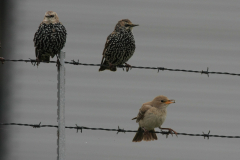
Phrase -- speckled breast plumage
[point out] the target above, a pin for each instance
(120, 48)
(50, 38)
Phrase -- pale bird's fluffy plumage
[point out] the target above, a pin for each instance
(152, 115)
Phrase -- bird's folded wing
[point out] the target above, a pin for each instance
(142, 111)
(111, 39)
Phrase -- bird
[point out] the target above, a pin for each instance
(119, 46)
(50, 38)
(151, 115)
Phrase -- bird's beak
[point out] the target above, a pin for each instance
(134, 25)
(170, 101)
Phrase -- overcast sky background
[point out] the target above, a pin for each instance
(186, 34)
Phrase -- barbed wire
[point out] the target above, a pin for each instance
(73, 62)
(118, 130)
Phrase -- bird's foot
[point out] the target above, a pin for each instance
(145, 130)
(2, 60)
(128, 66)
(170, 131)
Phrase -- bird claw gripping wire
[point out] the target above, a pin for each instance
(120, 130)
(166, 133)
(169, 132)
(2, 60)
(37, 125)
(206, 135)
(205, 72)
(77, 127)
(128, 66)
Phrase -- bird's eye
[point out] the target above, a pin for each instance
(127, 25)
(162, 101)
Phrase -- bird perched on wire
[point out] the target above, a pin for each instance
(151, 115)
(119, 47)
(50, 38)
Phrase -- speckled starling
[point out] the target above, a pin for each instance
(50, 37)
(119, 47)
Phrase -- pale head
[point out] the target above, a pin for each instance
(124, 24)
(50, 17)
(161, 101)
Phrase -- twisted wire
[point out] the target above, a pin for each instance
(73, 62)
(205, 135)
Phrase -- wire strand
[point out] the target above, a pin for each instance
(207, 135)
(73, 62)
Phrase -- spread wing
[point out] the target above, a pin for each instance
(141, 112)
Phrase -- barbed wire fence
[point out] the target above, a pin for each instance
(118, 130)
(61, 102)
(73, 62)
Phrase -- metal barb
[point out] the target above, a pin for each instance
(206, 135)
(120, 130)
(205, 72)
(160, 68)
(74, 62)
(37, 125)
(77, 127)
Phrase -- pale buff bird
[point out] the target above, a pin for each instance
(151, 115)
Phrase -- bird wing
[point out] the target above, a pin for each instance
(106, 45)
(142, 111)
(110, 40)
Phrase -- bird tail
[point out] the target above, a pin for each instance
(106, 66)
(146, 136)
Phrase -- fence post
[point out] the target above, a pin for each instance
(61, 109)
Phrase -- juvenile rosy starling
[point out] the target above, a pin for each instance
(50, 38)
(119, 47)
(151, 115)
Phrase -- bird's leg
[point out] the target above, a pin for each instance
(128, 66)
(37, 62)
(145, 130)
(2, 59)
(58, 64)
(171, 131)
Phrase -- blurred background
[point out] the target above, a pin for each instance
(186, 34)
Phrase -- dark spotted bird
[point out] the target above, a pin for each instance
(119, 47)
(50, 38)
(151, 115)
